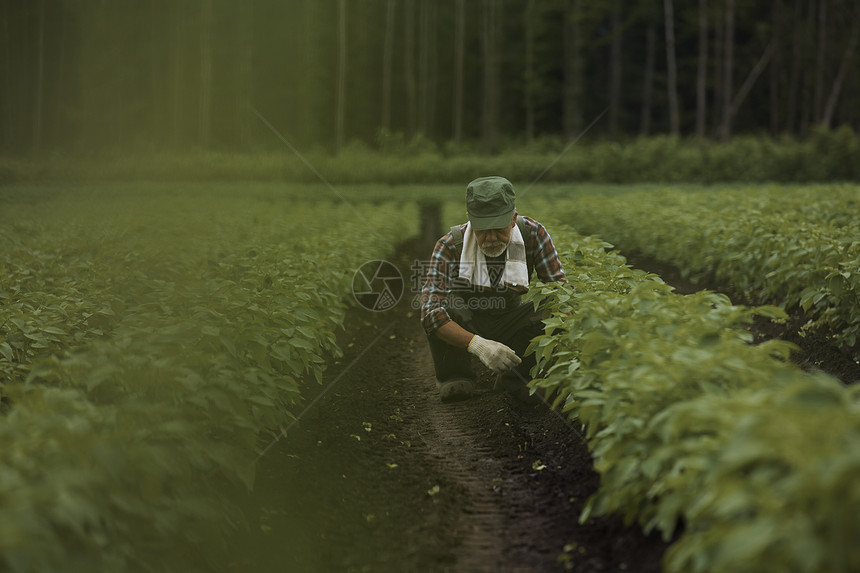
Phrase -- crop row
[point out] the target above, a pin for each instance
(696, 432)
(795, 247)
(147, 344)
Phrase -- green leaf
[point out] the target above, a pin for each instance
(54, 330)
(210, 330)
(836, 284)
(770, 311)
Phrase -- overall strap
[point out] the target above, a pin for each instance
(457, 235)
(521, 223)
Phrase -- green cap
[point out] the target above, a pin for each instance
(490, 202)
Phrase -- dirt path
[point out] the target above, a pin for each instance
(381, 476)
(456, 452)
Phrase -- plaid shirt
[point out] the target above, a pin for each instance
(444, 268)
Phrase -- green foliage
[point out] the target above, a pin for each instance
(790, 246)
(690, 423)
(398, 159)
(149, 340)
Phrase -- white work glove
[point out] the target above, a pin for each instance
(495, 355)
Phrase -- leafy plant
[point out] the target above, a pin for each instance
(149, 341)
(794, 247)
(691, 425)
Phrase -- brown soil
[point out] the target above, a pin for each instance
(379, 475)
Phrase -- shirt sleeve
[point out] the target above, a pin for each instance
(437, 285)
(545, 259)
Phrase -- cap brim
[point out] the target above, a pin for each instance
(495, 222)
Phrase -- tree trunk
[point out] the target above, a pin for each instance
(795, 81)
(204, 110)
(776, 11)
(671, 70)
(529, 95)
(158, 93)
(341, 76)
(433, 75)
(459, 57)
(573, 71)
(728, 70)
(817, 103)
(648, 82)
(702, 72)
(177, 71)
(40, 81)
(490, 112)
(311, 59)
(64, 62)
(615, 70)
(426, 66)
(387, 53)
(409, 62)
(244, 71)
(719, 44)
(6, 96)
(423, 63)
(844, 66)
(754, 74)
(807, 85)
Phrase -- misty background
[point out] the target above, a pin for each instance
(136, 75)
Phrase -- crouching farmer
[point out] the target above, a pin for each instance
(471, 301)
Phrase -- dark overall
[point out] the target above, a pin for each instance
(494, 313)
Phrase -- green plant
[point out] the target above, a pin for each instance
(794, 247)
(151, 338)
(690, 424)
(393, 158)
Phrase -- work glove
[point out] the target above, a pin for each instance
(495, 355)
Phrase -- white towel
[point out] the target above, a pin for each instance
(473, 264)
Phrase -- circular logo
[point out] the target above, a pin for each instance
(377, 285)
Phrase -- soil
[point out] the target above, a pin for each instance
(816, 348)
(379, 475)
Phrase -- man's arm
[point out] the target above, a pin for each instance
(436, 288)
(437, 322)
(495, 355)
(454, 334)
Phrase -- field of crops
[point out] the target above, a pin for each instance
(695, 430)
(154, 338)
(149, 338)
(791, 246)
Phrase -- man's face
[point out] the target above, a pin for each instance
(493, 242)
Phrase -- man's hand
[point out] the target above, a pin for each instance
(495, 355)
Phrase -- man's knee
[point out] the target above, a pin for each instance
(449, 362)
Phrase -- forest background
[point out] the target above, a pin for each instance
(406, 90)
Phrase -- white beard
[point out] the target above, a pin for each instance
(493, 249)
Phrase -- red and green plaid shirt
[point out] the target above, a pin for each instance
(444, 268)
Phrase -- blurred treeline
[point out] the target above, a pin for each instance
(476, 75)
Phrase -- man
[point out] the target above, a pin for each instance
(471, 301)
